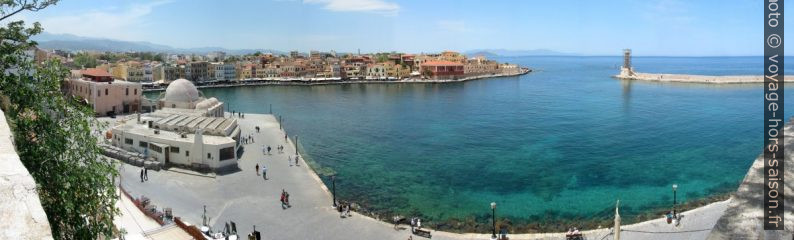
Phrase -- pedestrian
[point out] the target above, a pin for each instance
(286, 199)
(264, 171)
(296, 160)
(257, 169)
(268, 150)
(285, 137)
(263, 149)
(141, 174)
(283, 197)
(289, 160)
(145, 174)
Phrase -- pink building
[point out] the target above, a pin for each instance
(105, 96)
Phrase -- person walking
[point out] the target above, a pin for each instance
(257, 169)
(145, 174)
(289, 160)
(141, 174)
(282, 199)
(286, 198)
(264, 171)
(268, 150)
(296, 160)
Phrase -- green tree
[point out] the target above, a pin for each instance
(84, 60)
(53, 135)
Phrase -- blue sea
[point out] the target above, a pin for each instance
(564, 142)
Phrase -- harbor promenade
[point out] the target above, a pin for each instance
(247, 199)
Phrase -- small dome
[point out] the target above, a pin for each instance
(181, 90)
(207, 103)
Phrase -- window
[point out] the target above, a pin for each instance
(174, 149)
(128, 141)
(98, 93)
(227, 153)
(209, 155)
(127, 91)
(187, 153)
(143, 144)
(106, 91)
(156, 148)
(135, 91)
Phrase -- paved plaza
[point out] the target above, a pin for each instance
(247, 199)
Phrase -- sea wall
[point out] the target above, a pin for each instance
(745, 212)
(20, 208)
(687, 78)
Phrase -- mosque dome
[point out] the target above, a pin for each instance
(207, 103)
(182, 90)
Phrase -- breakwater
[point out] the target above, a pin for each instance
(688, 78)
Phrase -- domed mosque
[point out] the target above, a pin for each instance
(183, 97)
(188, 130)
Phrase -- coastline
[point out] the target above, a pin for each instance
(309, 82)
(690, 78)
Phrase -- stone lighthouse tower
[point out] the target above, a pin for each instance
(626, 70)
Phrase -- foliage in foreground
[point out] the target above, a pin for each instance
(53, 136)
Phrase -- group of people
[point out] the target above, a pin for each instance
(266, 149)
(344, 209)
(289, 160)
(239, 114)
(416, 223)
(264, 171)
(285, 199)
(249, 139)
(280, 149)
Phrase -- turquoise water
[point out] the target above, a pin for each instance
(564, 142)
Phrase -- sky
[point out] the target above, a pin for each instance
(648, 27)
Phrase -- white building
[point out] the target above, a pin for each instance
(225, 72)
(188, 131)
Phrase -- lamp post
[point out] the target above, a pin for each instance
(333, 188)
(675, 187)
(493, 219)
(296, 145)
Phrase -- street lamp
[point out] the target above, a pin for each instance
(675, 187)
(333, 188)
(493, 219)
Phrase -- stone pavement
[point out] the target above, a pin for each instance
(249, 200)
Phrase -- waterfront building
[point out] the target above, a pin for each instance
(442, 69)
(173, 72)
(197, 71)
(187, 131)
(225, 72)
(182, 141)
(104, 94)
(377, 71)
(480, 66)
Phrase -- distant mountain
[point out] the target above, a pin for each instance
(515, 53)
(76, 43)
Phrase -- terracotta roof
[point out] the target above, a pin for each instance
(96, 72)
(441, 63)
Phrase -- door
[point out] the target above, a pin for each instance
(167, 155)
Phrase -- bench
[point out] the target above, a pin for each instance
(422, 232)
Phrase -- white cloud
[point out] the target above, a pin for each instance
(119, 24)
(452, 26)
(374, 6)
